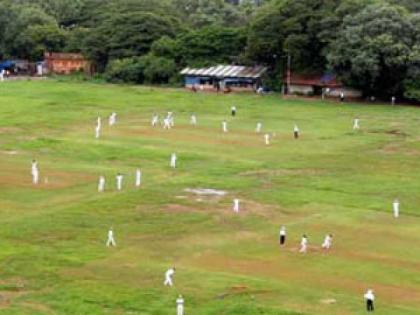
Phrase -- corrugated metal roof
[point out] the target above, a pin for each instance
(223, 71)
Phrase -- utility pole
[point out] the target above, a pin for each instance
(289, 65)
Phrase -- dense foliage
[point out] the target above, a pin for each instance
(373, 45)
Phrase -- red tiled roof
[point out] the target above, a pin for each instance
(64, 56)
(315, 80)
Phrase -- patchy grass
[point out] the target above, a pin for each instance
(53, 258)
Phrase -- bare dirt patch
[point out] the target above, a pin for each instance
(206, 192)
(283, 172)
(16, 176)
(287, 272)
(178, 208)
(10, 290)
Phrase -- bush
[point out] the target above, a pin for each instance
(145, 69)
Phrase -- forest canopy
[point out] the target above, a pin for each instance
(372, 45)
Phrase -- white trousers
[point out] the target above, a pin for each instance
(35, 177)
(168, 282)
(111, 242)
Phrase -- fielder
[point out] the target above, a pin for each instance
(168, 277)
(112, 119)
(282, 235)
(138, 178)
(119, 179)
(110, 241)
(267, 139)
(193, 120)
(233, 110)
(155, 120)
(236, 205)
(296, 132)
(303, 244)
(101, 184)
(327, 242)
(166, 123)
(98, 128)
(35, 172)
(173, 160)
(356, 125)
(259, 127)
(180, 306)
(396, 208)
(224, 126)
(370, 298)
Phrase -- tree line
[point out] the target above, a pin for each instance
(372, 45)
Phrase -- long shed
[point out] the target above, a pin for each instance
(224, 78)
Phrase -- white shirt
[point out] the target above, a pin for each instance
(282, 232)
(180, 301)
(110, 234)
(304, 241)
(169, 273)
(34, 167)
(193, 119)
(369, 296)
(327, 240)
(296, 129)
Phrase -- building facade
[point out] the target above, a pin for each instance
(66, 63)
(224, 78)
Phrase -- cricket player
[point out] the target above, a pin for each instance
(155, 120)
(327, 242)
(166, 123)
(35, 172)
(303, 244)
(224, 126)
(356, 125)
(98, 128)
(112, 119)
(110, 241)
(236, 205)
(296, 132)
(119, 179)
(282, 235)
(138, 178)
(180, 306)
(173, 160)
(259, 127)
(233, 110)
(396, 208)
(342, 96)
(193, 120)
(171, 120)
(393, 100)
(168, 277)
(101, 184)
(267, 139)
(370, 298)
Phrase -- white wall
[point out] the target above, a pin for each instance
(301, 89)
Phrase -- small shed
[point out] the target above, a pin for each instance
(224, 78)
(66, 63)
(319, 84)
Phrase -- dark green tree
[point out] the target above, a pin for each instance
(373, 48)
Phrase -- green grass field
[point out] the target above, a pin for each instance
(53, 258)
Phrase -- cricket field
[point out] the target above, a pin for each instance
(53, 258)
